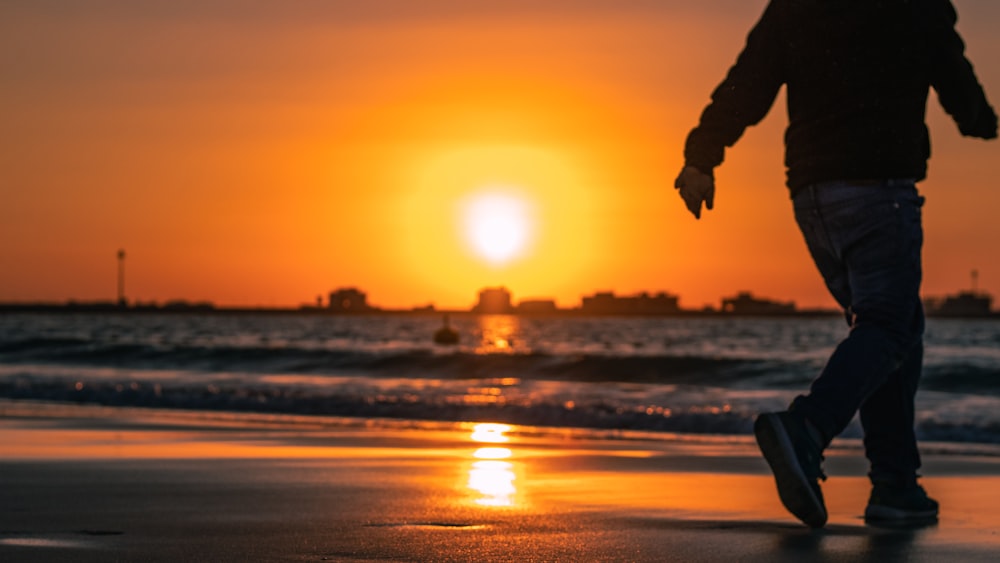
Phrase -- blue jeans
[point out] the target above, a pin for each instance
(865, 238)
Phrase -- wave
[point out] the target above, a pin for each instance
(405, 406)
(961, 377)
(404, 363)
(703, 386)
(553, 410)
(956, 374)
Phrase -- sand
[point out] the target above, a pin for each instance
(84, 483)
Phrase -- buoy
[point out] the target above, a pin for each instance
(446, 334)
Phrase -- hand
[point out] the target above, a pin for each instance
(695, 187)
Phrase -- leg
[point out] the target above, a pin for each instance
(887, 419)
(874, 232)
(891, 447)
(866, 242)
(789, 442)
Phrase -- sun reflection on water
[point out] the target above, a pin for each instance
(499, 334)
(492, 453)
(490, 476)
(490, 433)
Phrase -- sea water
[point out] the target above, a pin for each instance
(689, 375)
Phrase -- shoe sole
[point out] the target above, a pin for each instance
(794, 487)
(882, 513)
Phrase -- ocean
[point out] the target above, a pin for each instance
(693, 376)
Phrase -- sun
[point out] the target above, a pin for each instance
(497, 224)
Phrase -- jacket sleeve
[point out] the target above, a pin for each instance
(742, 99)
(953, 78)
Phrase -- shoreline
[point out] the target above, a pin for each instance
(55, 409)
(99, 483)
(126, 416)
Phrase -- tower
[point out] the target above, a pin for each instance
(121, 278)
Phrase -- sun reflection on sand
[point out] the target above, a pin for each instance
(494, 480)
(489, 476)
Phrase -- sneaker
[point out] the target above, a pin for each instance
(889, 503)
(795, 458)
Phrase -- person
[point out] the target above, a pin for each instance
(857, 75)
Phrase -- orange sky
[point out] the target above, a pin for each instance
(266, 155)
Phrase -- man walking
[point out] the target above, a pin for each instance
(857, 73)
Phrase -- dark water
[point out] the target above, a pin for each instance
(695, 375)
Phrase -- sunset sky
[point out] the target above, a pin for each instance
(254, 153)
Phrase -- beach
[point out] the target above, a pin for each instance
(90, 483)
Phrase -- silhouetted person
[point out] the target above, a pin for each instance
(857, 74)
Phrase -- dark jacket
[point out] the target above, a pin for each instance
(857, 74)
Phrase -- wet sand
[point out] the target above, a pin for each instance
(102, 484)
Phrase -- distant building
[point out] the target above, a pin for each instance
(607, 303)
(183, 305)
(348, 300)
(962, 304)
(537, 306)
(746, 304)
(971, 303)
(494, 301)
